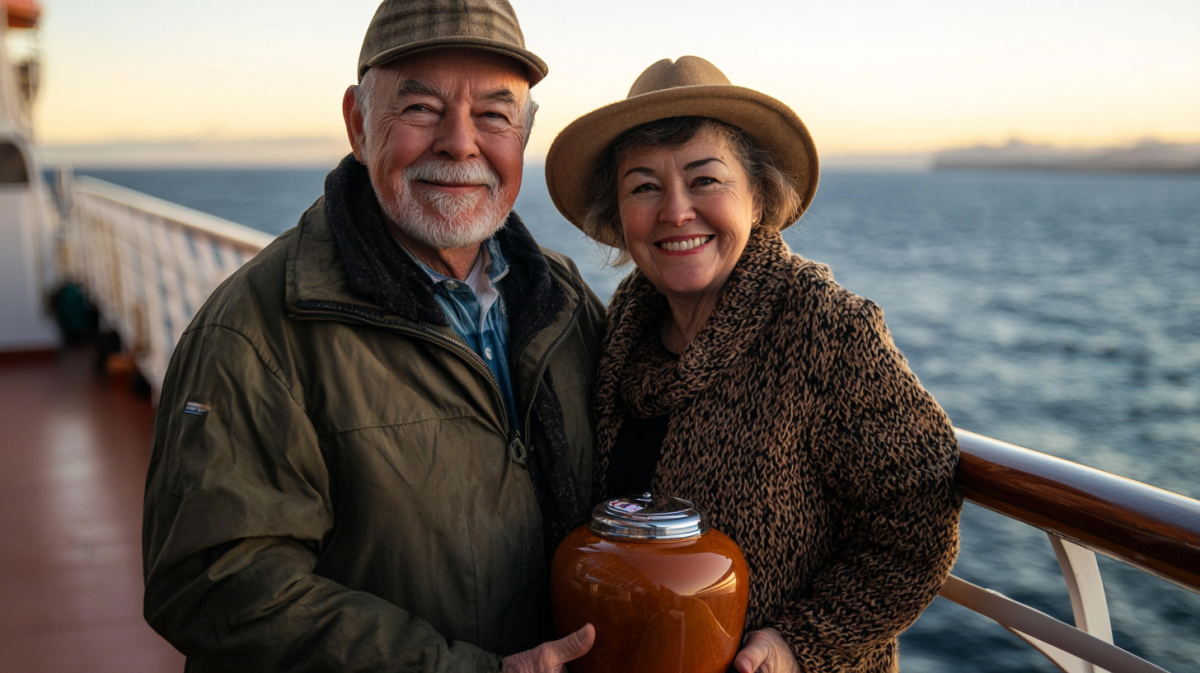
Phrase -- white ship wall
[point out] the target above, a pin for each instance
(24, 325)
(26, 259)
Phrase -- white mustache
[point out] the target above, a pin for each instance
(453, 173)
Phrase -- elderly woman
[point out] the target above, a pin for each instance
(742, 377)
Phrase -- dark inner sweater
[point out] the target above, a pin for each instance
(635, 455)
(636, 451)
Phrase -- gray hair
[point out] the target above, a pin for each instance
(773, 190)
(364, 97)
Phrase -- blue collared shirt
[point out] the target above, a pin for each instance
(475, 309)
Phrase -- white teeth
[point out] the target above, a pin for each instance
(680, 246)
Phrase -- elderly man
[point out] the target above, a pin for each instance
(373, 435)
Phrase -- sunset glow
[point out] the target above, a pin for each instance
(867, 77)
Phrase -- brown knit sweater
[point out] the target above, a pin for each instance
(798, 427)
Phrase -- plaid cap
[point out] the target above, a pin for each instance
(403, 27)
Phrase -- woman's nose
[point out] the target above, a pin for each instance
(676, 208)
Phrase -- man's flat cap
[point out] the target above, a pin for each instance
(403, 27)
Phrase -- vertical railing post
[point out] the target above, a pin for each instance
(1086, 587)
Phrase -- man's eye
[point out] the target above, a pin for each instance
(495, 120)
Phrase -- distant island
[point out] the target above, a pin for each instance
(1148, 155)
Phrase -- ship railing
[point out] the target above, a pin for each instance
(147, 264)
(1083, 511)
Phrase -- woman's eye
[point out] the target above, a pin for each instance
(704, 181)
(643, 188)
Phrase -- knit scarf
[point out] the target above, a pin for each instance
(649, 381)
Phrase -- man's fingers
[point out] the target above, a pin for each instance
(574, 645)
(753, 654)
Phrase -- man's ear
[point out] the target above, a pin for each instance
(355, 123)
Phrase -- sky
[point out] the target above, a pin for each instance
(261, 81)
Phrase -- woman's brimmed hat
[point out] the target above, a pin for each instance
(689, 87)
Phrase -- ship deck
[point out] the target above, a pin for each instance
(73, 456)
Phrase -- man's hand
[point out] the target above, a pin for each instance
(552, 657)
(766, 652)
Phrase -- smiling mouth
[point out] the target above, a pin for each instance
(451, 185)
(684, 245)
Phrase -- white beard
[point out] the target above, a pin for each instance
(458, 223)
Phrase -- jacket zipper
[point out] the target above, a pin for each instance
(545, 363)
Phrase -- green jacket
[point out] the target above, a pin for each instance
(347, 498)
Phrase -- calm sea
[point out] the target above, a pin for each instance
(1056, 311)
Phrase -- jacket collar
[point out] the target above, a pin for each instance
(344, 258)
(344, 265)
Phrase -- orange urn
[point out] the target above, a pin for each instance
(666, 592)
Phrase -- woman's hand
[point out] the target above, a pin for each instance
(766, 652)
(551, 657)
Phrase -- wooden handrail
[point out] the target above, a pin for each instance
(1151, 529)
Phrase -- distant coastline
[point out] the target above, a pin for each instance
(1145, 156)
(322, 152)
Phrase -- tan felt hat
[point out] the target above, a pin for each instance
(689, 87)
(403, 27)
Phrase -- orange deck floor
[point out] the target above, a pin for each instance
(73, 457)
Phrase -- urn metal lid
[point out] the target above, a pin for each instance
(648, 517)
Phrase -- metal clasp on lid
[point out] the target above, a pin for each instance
(648, 517)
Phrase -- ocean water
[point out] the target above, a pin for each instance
(1055, 311)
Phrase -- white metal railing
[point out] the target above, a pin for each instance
(1083, 511)
(1072, 649)
(148, 264)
